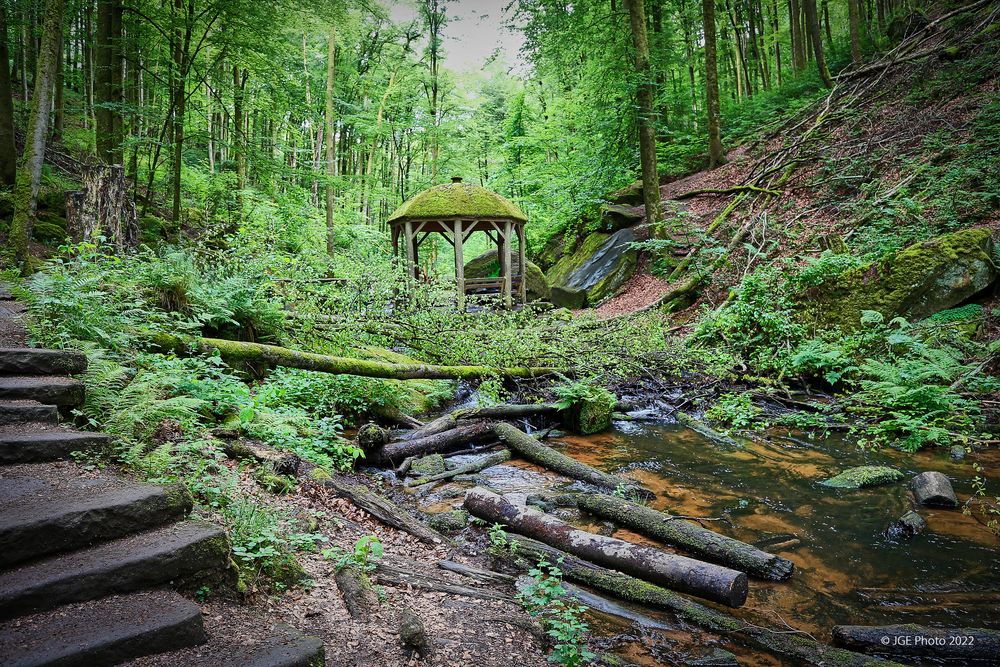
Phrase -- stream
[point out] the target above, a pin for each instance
(768, 492)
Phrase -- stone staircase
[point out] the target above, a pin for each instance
(89, 561)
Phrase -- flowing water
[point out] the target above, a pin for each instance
(768, 492)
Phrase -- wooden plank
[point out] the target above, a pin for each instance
(522, 287)
(459, 264)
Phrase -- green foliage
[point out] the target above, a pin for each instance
(737, 411)
(367, 553)
(544, 599)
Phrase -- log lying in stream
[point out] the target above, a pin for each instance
(450, 420)
(799, 647)
(676, 531)
(439, 442)
(712, 582)
(273, 355)
(970, 646)
(531, 449)
(705, 431)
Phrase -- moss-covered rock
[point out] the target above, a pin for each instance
(425, 466)
(916, 282)
(864, 476)
(630, 195)
(589, 416)
(449, 522)
(553, 249)
(457, 200)
(487, 266)
(617, 216)
(49, 228)
(598, 268)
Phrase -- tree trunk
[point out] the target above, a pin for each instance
(475, 466)
(798, 50)
(779, 642)
(8, 152)
(29, 172)
(712, 582)
(104, 207)
(330, 137)
(961, 645)
(854, 23)
(383, 510)
(812, 21)
(679, 532)
(57, 103)
(533, 450)
(357, 591)
(236, 351)
(647, 117)
(107, 86)
(716, 155)
(239, 126)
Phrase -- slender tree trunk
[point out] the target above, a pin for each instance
(57, 104)
(330, 137)
(812, 19)
(647, 119)
(826, 21)
(239, 126)
(689, 50)
(29, 173)
(798, 52)
(716, 155)
(776, 36)
(8, 152)
(854, 22)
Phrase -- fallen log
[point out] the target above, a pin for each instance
(705, 431)
(357, 591)
(383, 510)
(439, 442)
(677, 531)
(443, 423)
(450, 420)
(799, 647)
(536, 452)
(479, 574)
(273, 355)
(968, 645)
(473, 466)
(712, 582)
(392, 575)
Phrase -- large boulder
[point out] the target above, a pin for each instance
(615, 217)
(596, 270)
(487, 266)
(916, 282)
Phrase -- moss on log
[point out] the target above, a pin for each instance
(475, 466)
(712, 582)
(272, 355)
(700, 541)
(705, 431)
(531, 449)
(798, 647)
(357, 591)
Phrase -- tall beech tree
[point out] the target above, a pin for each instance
(8, 152)
(816, 37)
(646, 114)
(328, 134)
(716, 155)
(29, 170)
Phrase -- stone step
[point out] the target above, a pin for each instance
(48, 508)
(27, 412)
(187, 553)
(243, 644)
(32, 361)
(108, 631)
(47, 389)
(27, 443)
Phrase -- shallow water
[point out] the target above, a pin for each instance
(847, 571)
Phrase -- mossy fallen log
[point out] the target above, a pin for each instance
(451, 419)
(799, 647)
(707, 432)
(712, 582)
(533, 450)
(439, 442)
(272, 355)
(383, 510)
(357, 591)
(474, 466)
(968, 646)
(700, 541)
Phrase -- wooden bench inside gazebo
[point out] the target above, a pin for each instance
(457, 210)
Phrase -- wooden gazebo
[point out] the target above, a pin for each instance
(456, 210)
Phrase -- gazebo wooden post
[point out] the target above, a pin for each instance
(522, 289)
(505, 265)
(459, 263)
(411, 248)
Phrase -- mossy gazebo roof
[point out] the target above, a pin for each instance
(457, 200)
(455, 211)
